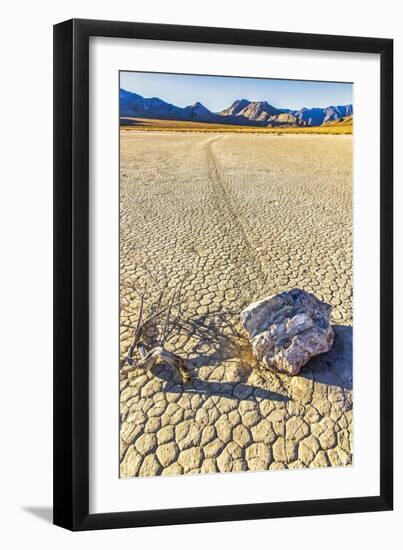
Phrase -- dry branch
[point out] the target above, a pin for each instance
(166, 301)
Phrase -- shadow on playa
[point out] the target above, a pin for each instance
(333, 368)
(230, 390)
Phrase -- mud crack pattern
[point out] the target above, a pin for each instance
(243, 216)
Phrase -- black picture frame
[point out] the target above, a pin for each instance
(71, 274)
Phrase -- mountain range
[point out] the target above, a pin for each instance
(241, 112)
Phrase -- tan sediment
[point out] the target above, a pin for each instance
(247, 215)
(133, 124)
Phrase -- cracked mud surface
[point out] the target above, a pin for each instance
(245, 215)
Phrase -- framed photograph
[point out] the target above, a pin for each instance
(223, 321)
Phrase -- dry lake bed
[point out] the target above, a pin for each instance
(235, 217)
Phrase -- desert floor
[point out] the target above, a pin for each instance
(240, 217)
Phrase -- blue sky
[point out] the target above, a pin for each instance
(218, 92)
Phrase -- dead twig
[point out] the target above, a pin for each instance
(164, 303)
(159, 354)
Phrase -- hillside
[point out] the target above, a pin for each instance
(347, 121)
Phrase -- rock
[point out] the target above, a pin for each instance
(288, 329)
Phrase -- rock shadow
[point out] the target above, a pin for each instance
(231, 390)
(334, 368)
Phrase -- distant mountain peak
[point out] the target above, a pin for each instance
(259, 110)
(235, 107)
(197, 111)
(198, 106)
